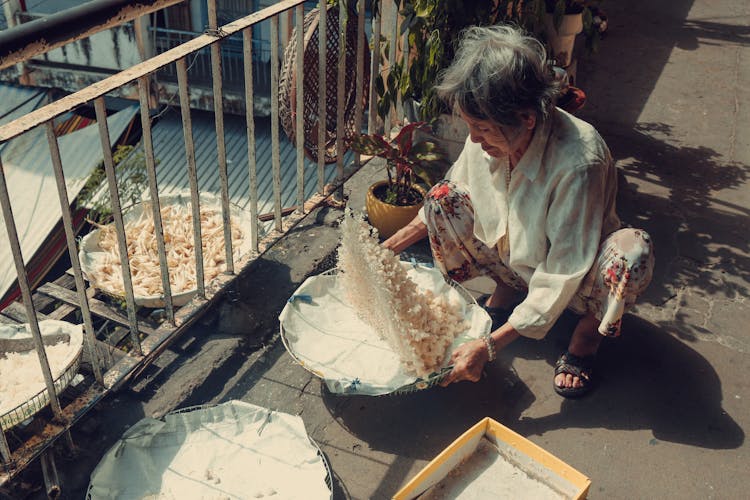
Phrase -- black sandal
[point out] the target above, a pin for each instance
(498, 315)
(581, 367)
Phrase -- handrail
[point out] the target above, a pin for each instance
(99, 89)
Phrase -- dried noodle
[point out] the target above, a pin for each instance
(417, 325)
(177, 222)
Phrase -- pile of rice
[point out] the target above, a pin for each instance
(21, 375)
(177, 222)
(417, 325)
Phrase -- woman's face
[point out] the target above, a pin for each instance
(496, 141)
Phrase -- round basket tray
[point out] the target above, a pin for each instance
(90, 253)
(324, 335)
(215, 451)
(37, 400)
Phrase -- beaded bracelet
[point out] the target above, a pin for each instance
(490, 347)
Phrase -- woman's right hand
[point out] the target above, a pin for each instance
(468, 361)
(406, 236)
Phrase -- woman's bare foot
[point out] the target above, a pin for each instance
(584, 343)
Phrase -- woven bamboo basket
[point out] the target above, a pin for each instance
(288, 85)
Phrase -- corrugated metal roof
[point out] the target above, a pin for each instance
(169, 150)
(32, 188)
(16, 101)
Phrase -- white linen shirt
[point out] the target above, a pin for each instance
(559, 206)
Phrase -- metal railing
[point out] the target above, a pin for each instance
(109, 372)
(232, 62)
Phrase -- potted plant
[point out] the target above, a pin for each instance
(432, 29)
(394, 202)
(563, 20)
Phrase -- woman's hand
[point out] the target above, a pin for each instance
(406, 236)
(468, 361)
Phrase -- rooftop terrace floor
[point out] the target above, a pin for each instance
(668, 90)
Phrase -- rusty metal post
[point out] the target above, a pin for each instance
(148, 149)
(372, 114)
(5, 449)
(393, 28)
(340, 100)
(70, 236)
(109, 168)
(275, 143)
(31, 39)
(187, 132)
(247, 52)
(23, 283)
(49, 473)
(146, 51)
(359, 104)
(322, 90)
(220, 140)
(299, 134)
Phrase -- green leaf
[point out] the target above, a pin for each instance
(373, 145)
(384, 105)
(379, 85)
(427, 151)
(392, 83)
(425, 9)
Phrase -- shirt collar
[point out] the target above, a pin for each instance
(531, 161)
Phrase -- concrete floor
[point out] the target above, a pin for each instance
(670, 92)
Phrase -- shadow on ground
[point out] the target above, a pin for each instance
(648, 379)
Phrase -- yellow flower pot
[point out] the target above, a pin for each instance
(387, 218)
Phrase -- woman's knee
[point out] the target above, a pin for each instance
(446, 193)
(630, 251)
(448, 204)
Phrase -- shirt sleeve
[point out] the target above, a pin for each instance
(573, 229)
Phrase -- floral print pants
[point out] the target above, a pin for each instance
(621, 271)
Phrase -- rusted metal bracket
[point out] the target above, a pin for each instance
(30, 39)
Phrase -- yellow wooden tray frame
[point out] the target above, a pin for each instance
(499, 433)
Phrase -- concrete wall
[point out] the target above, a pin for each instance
(114, 49)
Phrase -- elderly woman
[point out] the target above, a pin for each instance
(530, 203)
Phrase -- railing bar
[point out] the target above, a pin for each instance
(70, 236)
(374, 70)
(404, 49)
(4, 449)
(340, 97)
(187, 132)
(23, 283)
(322, 91)
(358, 111)
(247, 41)
(275, 143)
(299, 86)
(212, 17)
(287, 33)
(109, 168)
(148, 148)
(221, 150)
(391, 64)
(114, 82)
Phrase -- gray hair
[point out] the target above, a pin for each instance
(499, 72)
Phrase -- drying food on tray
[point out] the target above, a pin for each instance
(234, 450)
(21, 377)
(104, 270)
(418, 325)
(376, 325)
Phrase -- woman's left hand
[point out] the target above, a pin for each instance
(468, 361)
